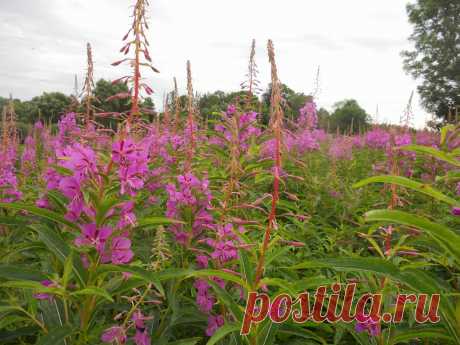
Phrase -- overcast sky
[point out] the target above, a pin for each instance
(357, 43)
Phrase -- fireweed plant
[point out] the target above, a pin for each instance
(157, 232)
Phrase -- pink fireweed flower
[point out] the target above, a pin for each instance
(115, 334)
(377, 138)
(28, 156)
(45, 296)
(231, 109)
(132, 159)
(139, 319)
(93, 236)
(214, 323)
(456, 211)
(308, 117)
(202, 261)
(68, 129)
(80, 159)
(124, 151)
(204, 299)
(9, 191)
(42, 202)
(121, 252)
(127, 216)
(191, 196)
(305, 141)
(427, 138)
(225, 245)
(142, 337)
(341, 148)
(358, 141)
(367, 324)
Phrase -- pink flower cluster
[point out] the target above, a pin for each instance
(247, 129)
(341, 148)
(132, 159)
(9, 191)
(308, 117)
(377, 138)
(118, 334)
(189, 201)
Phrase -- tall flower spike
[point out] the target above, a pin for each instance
(166, 113)
(176, 106)
(406, 119)
(9, 130)
(316, 84)
(190, 120)
(88, 86)
(136, 37)
(251, 85)
(276, 123)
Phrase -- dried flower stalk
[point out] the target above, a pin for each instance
(88, 86)
(190, 119)
(276, 123)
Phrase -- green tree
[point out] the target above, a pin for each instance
(292, 102)
(49, 107)
(104, 90)
(349, 117)
(436, 57)
(323, 119)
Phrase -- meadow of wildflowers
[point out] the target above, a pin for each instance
(156, 232)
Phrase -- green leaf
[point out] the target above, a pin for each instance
(54, 241)
(138, 272)
(16, 272)
(7, 336)
(408, 183)
(419, 333)
(220, 274)
(223, 332)
(149, 221)
(188, 341)
(431, 151)
(247, 269)
(446, 237)
(96, 291)
(227, 299)
(56, 336)
(368, 264)
(32, 285)
(40, 212)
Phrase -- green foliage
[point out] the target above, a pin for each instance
(435, 59)
(349, 117)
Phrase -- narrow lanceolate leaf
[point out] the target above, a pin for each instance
(56, 336)
(56, 244)
(32, 285)
(411, 184)
(431, 151)
(222, 332)
(188, 341)
(368, 264)
(227, 300)
(40, 212)
(18, 272)
(93, 291)
(447, 238)
(403, 336)
(149, 221)
(220, 274)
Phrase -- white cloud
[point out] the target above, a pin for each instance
(356, 43)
